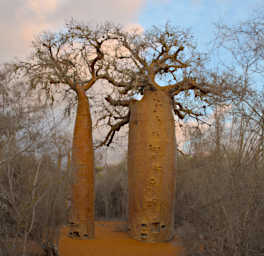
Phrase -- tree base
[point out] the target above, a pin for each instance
(111, 239)
(151, 232)
(80, 231)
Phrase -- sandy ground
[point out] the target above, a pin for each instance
(111, 239)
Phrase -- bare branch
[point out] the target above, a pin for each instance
(188, 84)
(114, 128)
(123, 103)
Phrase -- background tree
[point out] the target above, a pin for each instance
(32, 201)
(163, 66)
(243, 44)
(65, 64)
(213, 194)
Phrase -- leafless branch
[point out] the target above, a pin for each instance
(114, 128)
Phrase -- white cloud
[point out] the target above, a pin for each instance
(134, 28)
(21, 20)
(40, 6)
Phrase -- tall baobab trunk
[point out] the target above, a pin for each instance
(151, 168)
(83, 167)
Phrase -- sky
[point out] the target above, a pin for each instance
(22, 20)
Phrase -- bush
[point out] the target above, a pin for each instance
(33, 205)
(111, 192)
(223, 202)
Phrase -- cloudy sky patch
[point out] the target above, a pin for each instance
(21, 20)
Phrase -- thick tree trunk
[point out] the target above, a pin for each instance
(151, 168)
(83, 167)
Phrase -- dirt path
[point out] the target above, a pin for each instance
(111, 239)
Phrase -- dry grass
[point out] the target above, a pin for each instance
(223, 203)
(219, 202)
(33, 206)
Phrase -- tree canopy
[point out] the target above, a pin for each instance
(161, 58)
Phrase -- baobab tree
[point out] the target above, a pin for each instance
(163, 67)
(63, 65)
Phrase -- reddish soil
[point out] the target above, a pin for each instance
(111, 239)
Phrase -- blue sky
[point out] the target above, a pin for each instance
(199, 15)
(22, 20)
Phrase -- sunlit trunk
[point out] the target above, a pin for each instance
(151, 168)
(83, 168)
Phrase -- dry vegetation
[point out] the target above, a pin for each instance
(220, 180)
(219, 200)
(33, 185)
(220, 188)
(111, 192)
(219, 197)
